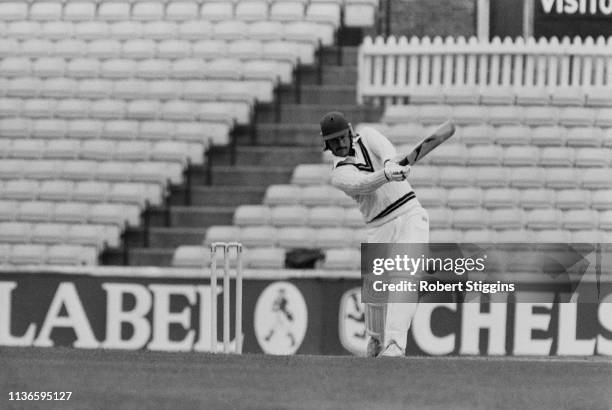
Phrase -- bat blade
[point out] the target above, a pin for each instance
(429, 143)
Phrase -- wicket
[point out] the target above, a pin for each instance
(226, 246)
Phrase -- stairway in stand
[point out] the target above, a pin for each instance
(284, 134)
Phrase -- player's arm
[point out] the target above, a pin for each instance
(379, 144)
(348, 178)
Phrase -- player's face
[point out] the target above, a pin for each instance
(340, 146)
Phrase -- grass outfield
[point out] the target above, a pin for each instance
(118, 379)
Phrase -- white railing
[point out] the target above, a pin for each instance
(394, 67)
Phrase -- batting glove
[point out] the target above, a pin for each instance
(395, 172)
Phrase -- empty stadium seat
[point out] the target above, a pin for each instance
(263, 236)
(440, 218)
(70, 211)
(326, 216)
(333, 238)
(71, 255)
(476, 134)
(432, 197)
(521, 155)
(506, 218)
(15, 232)
(266, 258)
(55, 190)
(500, 197)
(592, 157)
(562, 178)
(527, 177)
(58, 88)
(191, 256)
(171, 49)
(580, 219)
(479, 236)
(544, 218)
(596, 178)
(576, 117)
(588, 236)
(568, 96)
(222, 233)
(445, 236)
(470, 218)
(515, 236)
(311, 174)
(34, 211)
(296, 237)
(78, 170)
(557, 156)
(325, 195)
(507, 115)
(8, 210)
(468, 197)
(541, 116)
(195, 29)
(532, 96)
(252, 215)
(552, 236)
(282, 195)
(28, 254)
(289, 215)
(337, 259)
(605, 220)
(573, 199)
(450, 154)
(497, 95)
(181, 11)
(485, 155)
(603, 117)
(455, 176)
(49, 233)
(138, 49)
(469, 115)
(602, 199)
(230, 30)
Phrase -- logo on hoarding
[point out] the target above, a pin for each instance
(351, 323)
(280, 319)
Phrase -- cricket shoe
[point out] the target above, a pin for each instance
(392, 350)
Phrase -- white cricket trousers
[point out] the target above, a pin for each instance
(411, 227)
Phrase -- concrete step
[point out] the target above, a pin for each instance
(287, 135)
(319, 94)
(258, 155)
(161, 237)
(344, 55)
(251, 175)
(332, 75)
(312, 113)
(151, 256)
(211, 195)
(201, 216)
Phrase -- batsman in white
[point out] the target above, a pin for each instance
(365, 167)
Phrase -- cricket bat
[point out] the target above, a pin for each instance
(429, 143)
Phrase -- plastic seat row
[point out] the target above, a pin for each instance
(525, 155)
(141, 49)
(498, 115)
(480, 176)
(86, 191)
(287, 237)
(114, 69)
(515, 218)
(76, 170)
(176, 11)
(299, 31)
(520, 236)
(132, 89)
(559, 96)
(325, 195)
(462, 218)
(76, 234)
(102, 150)
(65, 211)
(202, 131)
(507, 135)
(298, 215)
(37, 254)
(114, 109)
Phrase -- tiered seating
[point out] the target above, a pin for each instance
(526, 165)
(103, 103)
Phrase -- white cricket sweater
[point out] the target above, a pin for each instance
(362, 177)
